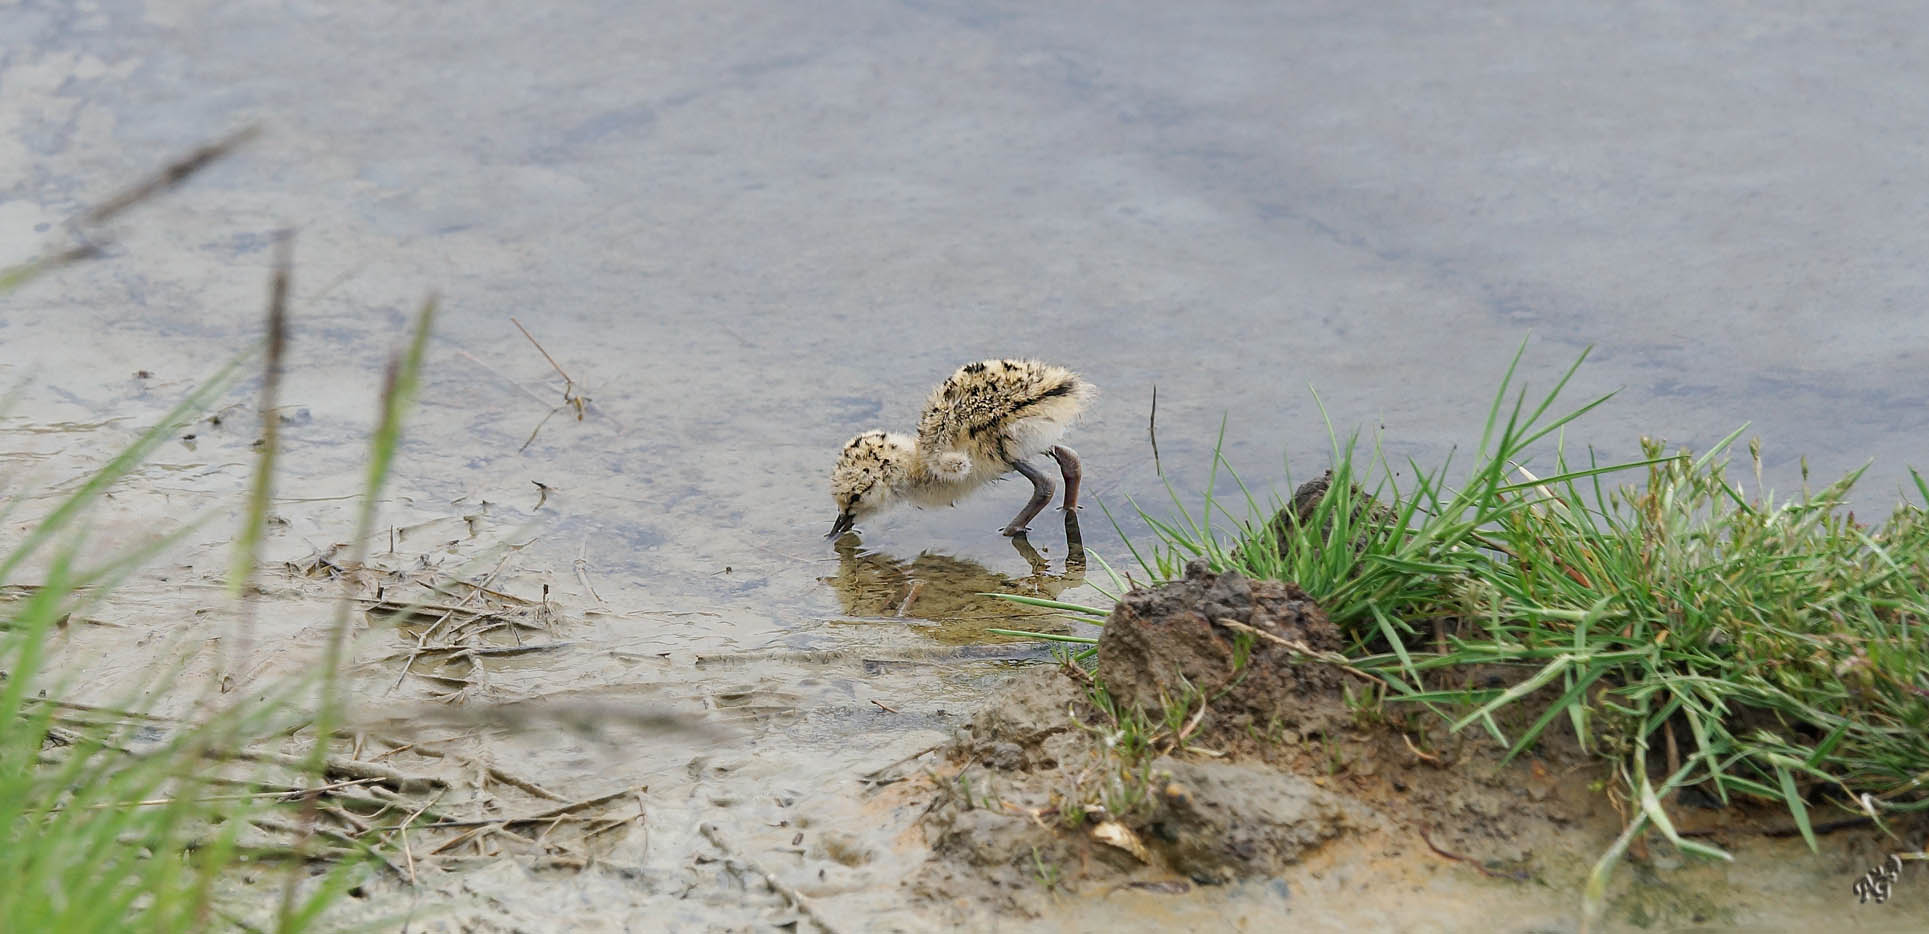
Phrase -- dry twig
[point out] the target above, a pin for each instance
(1299, 648)
(791, 895)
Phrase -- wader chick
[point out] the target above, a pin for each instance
(987, 420)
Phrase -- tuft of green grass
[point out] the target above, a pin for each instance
(1689, 631)
(113, 820)
(105, 828)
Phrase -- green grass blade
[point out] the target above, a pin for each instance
(1042, 603)
(1045, 636)
(1540, 679)
(1797, 808)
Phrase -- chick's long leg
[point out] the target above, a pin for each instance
(1042, 489)
(1074, 548)
(1068, 465)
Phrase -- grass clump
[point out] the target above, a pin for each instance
(1691, 632)
(112, 819)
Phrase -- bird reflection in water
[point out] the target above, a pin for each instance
(945, 595)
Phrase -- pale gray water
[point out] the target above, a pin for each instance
(751, 229)
(756, 229)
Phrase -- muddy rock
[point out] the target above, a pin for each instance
(1157, 641)
(1222, 821)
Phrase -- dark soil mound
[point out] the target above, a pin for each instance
(1185, 638)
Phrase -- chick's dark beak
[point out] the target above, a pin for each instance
(843, 524)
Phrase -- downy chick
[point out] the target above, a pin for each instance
(989, 419)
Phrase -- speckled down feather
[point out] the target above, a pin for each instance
(975, 427)
(999, 412)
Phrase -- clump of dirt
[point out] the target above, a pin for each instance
(1217, 822)
(997, 830)
(1073, 780)
(1041, 800)
(1033, 728)
(1236, 644)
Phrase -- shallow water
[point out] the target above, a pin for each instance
(750, 230)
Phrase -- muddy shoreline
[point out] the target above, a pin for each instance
(903, 782)
(1280, 794)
